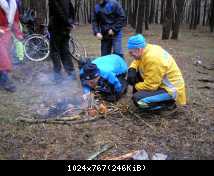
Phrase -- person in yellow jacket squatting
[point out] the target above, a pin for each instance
(158, 82)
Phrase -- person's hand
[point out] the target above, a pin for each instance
(110, 32)
(1, 32)
(99, 36)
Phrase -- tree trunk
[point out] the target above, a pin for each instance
(212, 16)
(135, 12)
(152, 12)
(205, 13)
(167, 24)
(177, 21)
(140, 17)
(147, 3)
(193, 7)
(162, 11)
(156, 13)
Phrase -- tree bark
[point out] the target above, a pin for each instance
(212, 16)
(167, 24)
(146, 6)
(177, 21)
(152, 12)
(156, 13)
(140, 16)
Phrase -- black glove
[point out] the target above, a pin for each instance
(124, 84)
(132, 76)
(123, 90)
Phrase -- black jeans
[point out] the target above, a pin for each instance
(59, 51)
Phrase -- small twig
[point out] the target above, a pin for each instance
(206, 80)
(204, 73)
(137, 116)
(102, 149)
(206, 87)
(206, 67)
(122, 115)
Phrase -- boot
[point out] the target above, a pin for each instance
(58, 78)
(72, 76)
(5, 82)
(8, 86)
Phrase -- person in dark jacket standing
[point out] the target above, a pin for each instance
(61, 14)
(108, 20)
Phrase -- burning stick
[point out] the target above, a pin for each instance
(72, 110)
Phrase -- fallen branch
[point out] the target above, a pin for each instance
(57, 121)
(41, 121)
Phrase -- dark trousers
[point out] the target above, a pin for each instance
(59, 52)
(112, 43)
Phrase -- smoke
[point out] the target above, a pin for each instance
(52, 94)
(39, 92)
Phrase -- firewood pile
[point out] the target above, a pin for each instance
(65, 113)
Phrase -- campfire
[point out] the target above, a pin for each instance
(72, 111)
(69, 107)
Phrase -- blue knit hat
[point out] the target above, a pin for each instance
(137, 41)
(90, 71)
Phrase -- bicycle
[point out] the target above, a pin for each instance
(37, 47)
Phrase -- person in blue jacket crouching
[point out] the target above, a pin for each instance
(105, 75)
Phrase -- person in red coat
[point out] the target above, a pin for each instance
(9, 25)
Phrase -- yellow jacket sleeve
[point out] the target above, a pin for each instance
(135, 64)
(153, 75)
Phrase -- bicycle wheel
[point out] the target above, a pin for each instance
(36, 47)
(77, 50)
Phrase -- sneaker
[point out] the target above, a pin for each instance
(159, 109)
(170, 107)
(72, 76)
